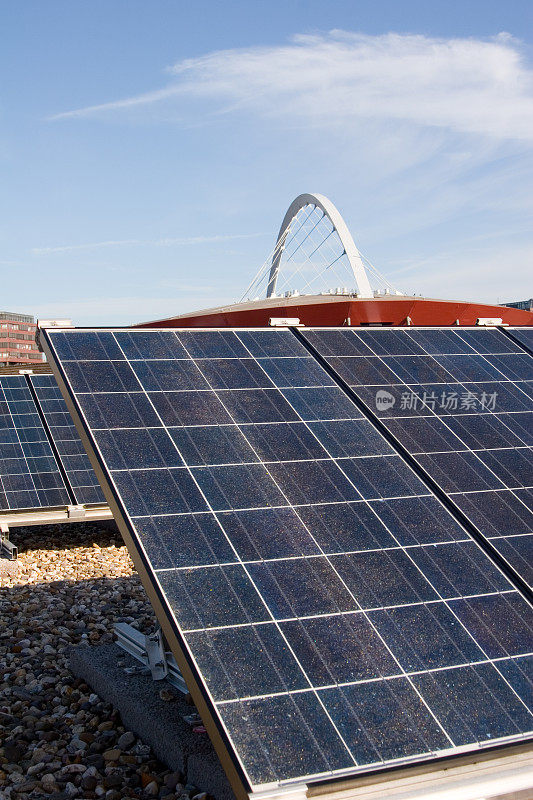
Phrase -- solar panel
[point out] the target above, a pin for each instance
(66, 439)
(523, 335)
(459, 400)
(330, 615)
(29, 473)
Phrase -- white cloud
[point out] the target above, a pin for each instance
(408, 133)
(466, 85)
(167, 242)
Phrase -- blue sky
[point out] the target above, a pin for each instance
(148, 151)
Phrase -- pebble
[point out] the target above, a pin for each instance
(58, 738)
(126, 740)
(89, 782)
(172, 779)
(48, 782)
(112, 755)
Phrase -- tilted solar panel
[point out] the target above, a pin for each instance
(523, 335)
(29, 473)
(329, 614)
(67, 441)
(459, 400)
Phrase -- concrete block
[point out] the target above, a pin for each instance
(157, 722)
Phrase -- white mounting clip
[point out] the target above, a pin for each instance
(76, 512)
(285, 322)
(490, 322)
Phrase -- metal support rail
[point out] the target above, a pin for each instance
(150, 651)
(7, 549)
(53, 516)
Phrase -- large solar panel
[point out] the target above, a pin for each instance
(328, 612)
(29, 473)
(67, 441)
(460, 402)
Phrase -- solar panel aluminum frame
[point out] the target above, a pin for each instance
(215, 727)
(506, 773)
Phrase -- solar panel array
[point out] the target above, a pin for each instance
(74, 459)
(460, 402)
(332, 611)
(29, 473)
(43, 464)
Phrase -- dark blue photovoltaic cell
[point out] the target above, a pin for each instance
(488, 341)
(324, 593)
(75, 461)
(29, 474)
(470, 426)
(524, 336)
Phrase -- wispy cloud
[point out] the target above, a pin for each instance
(167, 242)
(129, 102)
(466, 85)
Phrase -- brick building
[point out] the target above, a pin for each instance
(17, 340)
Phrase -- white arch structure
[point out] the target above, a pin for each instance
(334, 216)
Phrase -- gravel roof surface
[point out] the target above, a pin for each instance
(58, 739)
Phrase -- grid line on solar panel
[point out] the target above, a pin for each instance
(461, 469)
(363, 681)
(80, 474)
(229, 605)
(430, 410)
(523, 336)
(364, 612)
(507, 480)
(29, 474)
(243, 564)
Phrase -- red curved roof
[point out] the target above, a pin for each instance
(334, 310)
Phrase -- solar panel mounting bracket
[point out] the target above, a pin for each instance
(156, 655)
(150, 653)
(7, 549)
